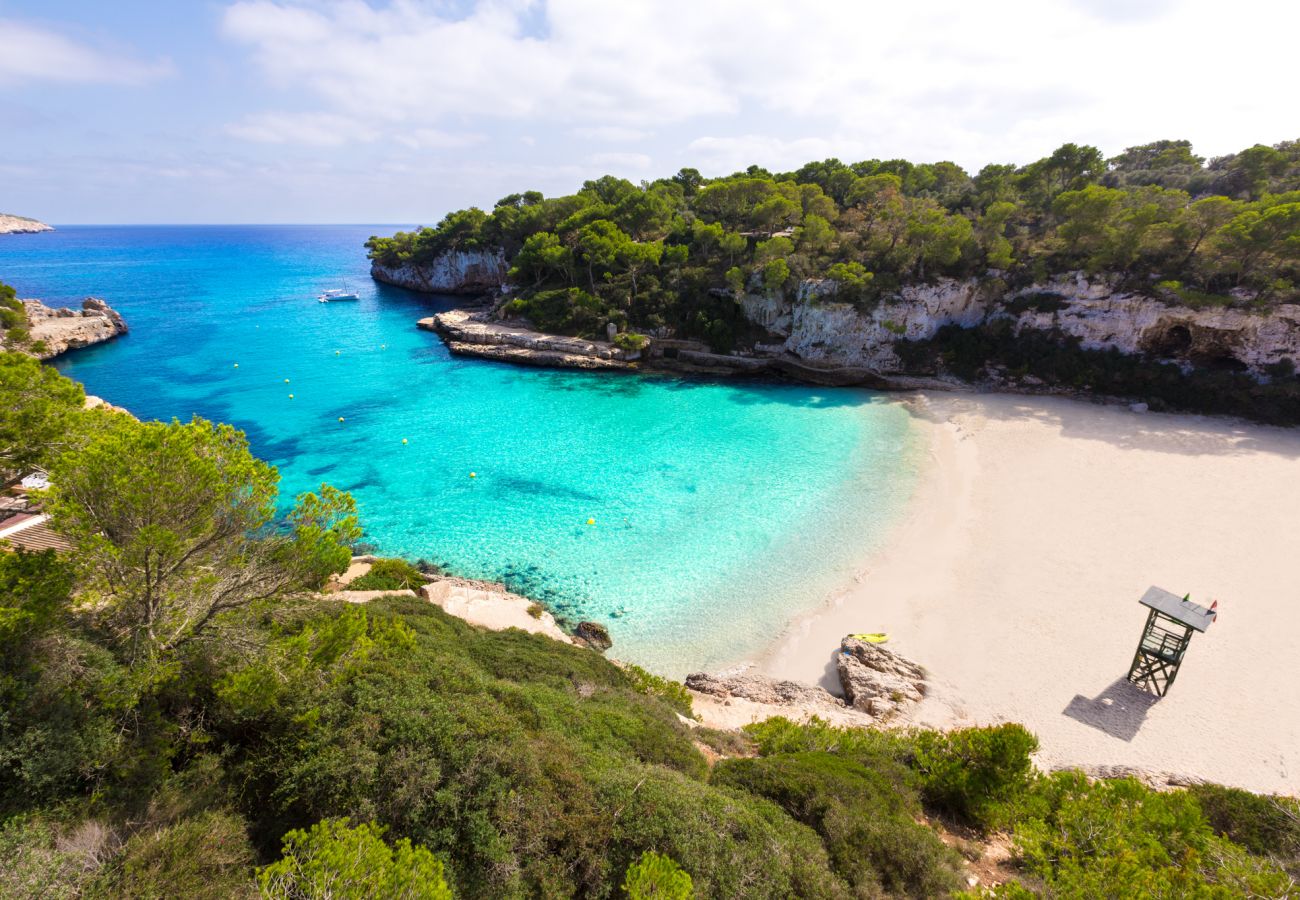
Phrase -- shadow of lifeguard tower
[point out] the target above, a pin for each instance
(1122, 707)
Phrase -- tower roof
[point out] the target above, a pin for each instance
(1177, 608)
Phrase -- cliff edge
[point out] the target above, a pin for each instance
(54, 330)
(456, 272)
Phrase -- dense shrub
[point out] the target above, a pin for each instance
(673, 693)
(1263, 825)
(864, 814)
(1121, 839)
(206, 857)
(389, 575)
(976, 773)
(1059, 361)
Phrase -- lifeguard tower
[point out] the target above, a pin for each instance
(1164, 640)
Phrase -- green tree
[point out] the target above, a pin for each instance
(602, 244)
(776, 274)
(656, 877)
(172, 528)
(335, 861)
(38, 408)
(542, 257)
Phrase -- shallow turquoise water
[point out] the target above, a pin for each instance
(722, 509)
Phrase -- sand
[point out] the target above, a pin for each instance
(1015, 578)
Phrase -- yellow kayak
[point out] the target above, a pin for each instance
(875, 637)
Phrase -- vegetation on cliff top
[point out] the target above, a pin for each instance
(180, 715)
(677, 252)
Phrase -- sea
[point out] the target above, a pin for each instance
(694, 518)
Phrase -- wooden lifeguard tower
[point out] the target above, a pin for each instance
(1165, 638)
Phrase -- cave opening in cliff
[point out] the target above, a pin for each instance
(1173, 341)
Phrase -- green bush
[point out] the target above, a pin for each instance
(388, 575)
(673, 693)
(865, 815)
(780, 735)
(656, 877)
(976, 773)
(334, 861)
(1263, 825)
(34, 867)
(207, 857)
(631, 341)
(1121, 839)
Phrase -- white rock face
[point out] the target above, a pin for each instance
(55, 330)
(21, 225)
(823, 330)
(468, 272)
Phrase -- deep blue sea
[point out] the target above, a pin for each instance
(721, 510)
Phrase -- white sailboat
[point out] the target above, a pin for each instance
(333, 295)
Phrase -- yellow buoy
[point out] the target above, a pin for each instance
(591, 521)
(340, 418)
(473, 474)
(383, 346)
(336, 353)
(236, 365)
(286, 381)
(291, 396)
(403, 440)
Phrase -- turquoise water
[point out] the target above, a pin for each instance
(722, 509)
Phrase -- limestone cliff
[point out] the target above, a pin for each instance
(812, 326)
(21, 225)
(459, 272)
(55, 330)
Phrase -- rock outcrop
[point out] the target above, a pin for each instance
(876, 680)
(593, 635)
(760, 689)
(878, 685)
(476, 334)
(813, 327)
(21, 225)
(459, 272)
(55, 330)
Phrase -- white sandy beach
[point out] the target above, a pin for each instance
(1016, 575)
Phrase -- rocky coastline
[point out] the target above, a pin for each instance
(52, 331)
(814, 338)
(21, 225)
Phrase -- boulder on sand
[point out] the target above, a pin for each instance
(876, 680)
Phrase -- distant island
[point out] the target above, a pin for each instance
(1154, 276)
(21, 225)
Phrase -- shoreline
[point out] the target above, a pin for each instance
(1014, 579)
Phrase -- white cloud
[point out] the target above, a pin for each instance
(621, 162)
(316, 129)
(616, 134)
(930, 79)
(29, 53)
(724, 155)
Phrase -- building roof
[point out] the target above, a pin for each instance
(30, 531)
(1177, 608)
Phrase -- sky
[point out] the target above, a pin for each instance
(397, 111)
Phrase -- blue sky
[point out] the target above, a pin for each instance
(378, 111)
